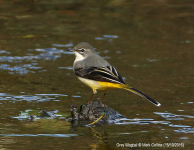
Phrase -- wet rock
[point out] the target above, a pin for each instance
(47, 114)
(93, 111)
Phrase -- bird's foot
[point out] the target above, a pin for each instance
(89, 102)
(101, 104)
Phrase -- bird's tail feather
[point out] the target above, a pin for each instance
(142, 95)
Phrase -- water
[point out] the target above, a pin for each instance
(150, 44)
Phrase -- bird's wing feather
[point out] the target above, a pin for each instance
(104, 74)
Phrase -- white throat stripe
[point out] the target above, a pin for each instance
(78, 57)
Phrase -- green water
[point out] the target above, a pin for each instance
(151, 45)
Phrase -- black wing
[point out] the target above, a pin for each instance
(104, 74)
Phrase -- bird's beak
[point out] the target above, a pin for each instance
(70, 50)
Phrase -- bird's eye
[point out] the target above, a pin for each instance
(82, 50)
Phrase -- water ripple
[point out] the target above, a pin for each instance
(67, 45)
(51, 135)
(185, 130)
(142, 122)
(44, 54)
(110, 36)
(29, 98)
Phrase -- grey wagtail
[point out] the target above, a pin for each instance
(98, 74)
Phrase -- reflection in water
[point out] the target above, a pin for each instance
(170, 116)
(31, 67)
(183, 128)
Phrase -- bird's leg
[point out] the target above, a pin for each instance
(94, 92)
(90, 99)
(105, 92)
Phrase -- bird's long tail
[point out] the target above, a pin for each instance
(142, 95)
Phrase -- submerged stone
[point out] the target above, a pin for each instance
(46, 114)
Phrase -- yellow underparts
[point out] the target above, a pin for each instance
(107, 85)
(99, 85)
